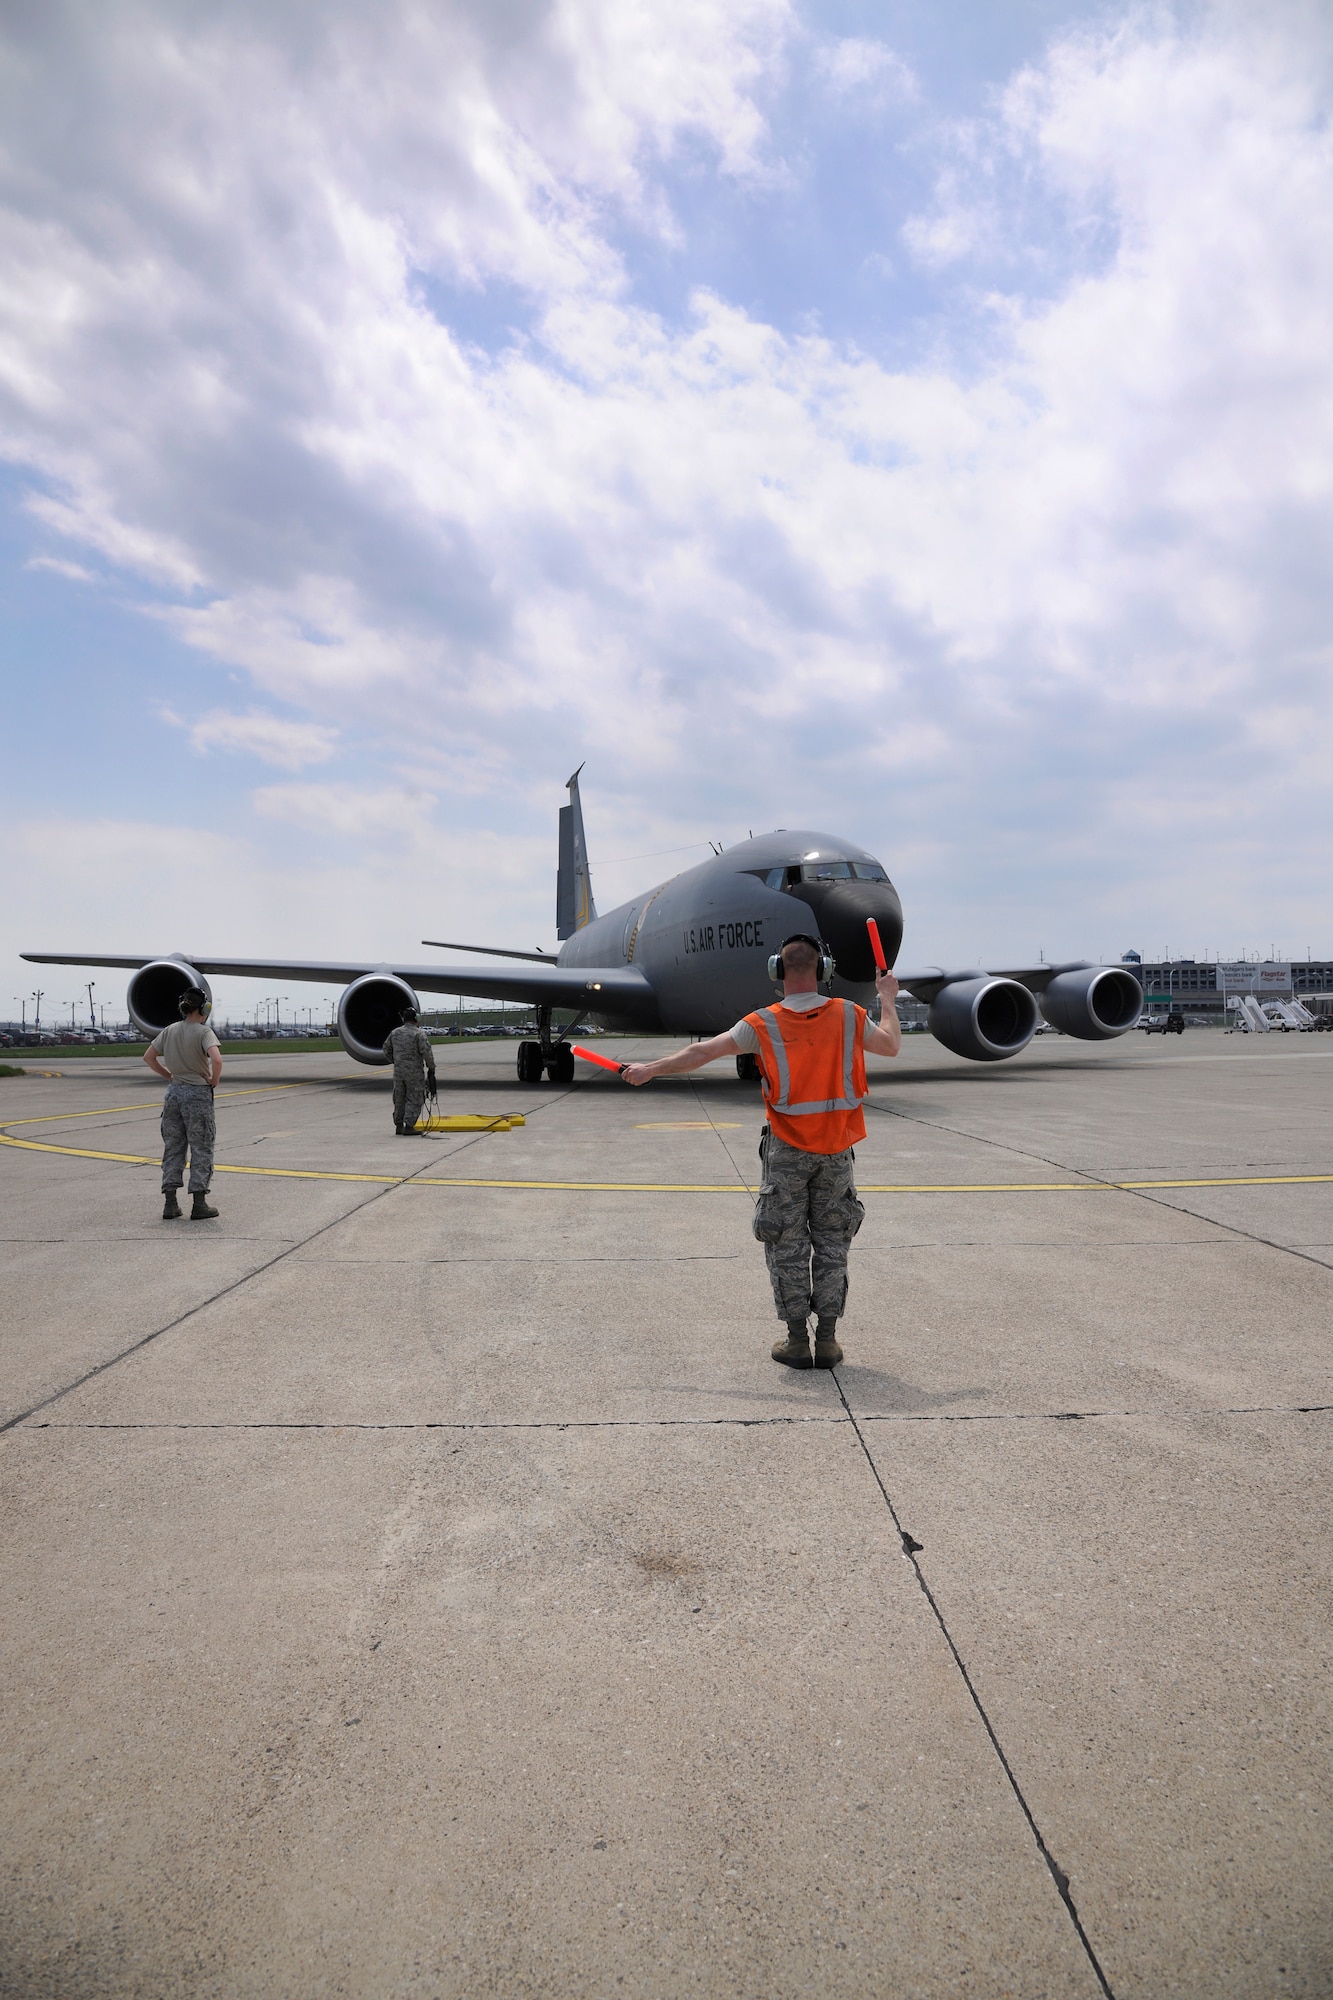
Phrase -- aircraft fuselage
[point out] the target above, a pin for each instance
(703, 939)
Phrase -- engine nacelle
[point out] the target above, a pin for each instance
(370, 1008)
(984, 1019)
(153, 994)
(1094, 1003)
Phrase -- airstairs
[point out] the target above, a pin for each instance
(1250, 1016)
(1288, 1014)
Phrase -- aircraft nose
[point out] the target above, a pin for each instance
(841, 909)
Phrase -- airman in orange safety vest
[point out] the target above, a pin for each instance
(811, 1054)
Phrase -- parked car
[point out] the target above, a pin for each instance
(1163, 1024)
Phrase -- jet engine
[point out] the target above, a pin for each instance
(368, 1010)
(154, 992)
(984, 1019)
(1094, 1003)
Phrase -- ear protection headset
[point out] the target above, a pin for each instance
(408, 1015)
(825, 969)
(192, 1001)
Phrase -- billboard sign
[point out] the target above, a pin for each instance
(1270, 977)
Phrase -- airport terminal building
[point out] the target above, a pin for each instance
(1203, 986)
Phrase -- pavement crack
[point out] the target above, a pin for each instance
(1094, 1179)
(222, 1292)
(1089, 1416)
(911, 1549)
(437, 1424)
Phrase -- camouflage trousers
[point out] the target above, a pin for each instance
(188, 1125)
(409, 1094)
(806, 1217)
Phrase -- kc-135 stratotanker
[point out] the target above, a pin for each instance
(688, 957)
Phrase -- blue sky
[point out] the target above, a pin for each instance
(909, 420)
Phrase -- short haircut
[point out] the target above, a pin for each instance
(799, 957)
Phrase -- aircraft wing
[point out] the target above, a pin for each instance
(614, 989)
(923, 983)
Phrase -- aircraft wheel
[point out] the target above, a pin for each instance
(529, 1062)
(560, 1066)
(747, 1068)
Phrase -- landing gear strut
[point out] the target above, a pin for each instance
(550, 1055)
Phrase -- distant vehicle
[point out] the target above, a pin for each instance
(1163, 1024)
(1289, 1014)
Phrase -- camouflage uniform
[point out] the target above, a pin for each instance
(806, 1217)
(188, 1122)
(409, 1049)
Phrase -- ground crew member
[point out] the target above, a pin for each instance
(188, 1056)
(811, 1052)
(408, 1049)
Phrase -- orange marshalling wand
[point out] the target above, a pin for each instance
(875, 944)
(602, 1062)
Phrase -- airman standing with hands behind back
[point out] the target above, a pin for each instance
(188, 1055)
(811, 1053)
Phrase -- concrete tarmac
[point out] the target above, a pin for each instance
(421, 1582)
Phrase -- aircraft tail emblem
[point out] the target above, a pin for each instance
(574, 906)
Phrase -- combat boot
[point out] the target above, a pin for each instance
(171, 1208)
(201, 1212)
(794, 1351)
(827, 1351)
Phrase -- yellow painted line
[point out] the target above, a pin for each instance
(689, 1125)
(154, 1159)
(642, 1187)
(148, 1104)
(869, 1187)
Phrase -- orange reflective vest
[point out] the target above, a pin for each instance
(814, 1068)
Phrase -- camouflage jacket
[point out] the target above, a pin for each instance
(409, 1050)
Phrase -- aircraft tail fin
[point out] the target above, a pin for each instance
(574, 906)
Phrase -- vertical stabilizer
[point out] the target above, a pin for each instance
(574, 906)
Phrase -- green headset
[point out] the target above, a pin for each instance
(775, 971)
(194, 1001)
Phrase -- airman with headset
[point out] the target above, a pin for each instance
(811, 1054)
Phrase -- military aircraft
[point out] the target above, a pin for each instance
(689, 957)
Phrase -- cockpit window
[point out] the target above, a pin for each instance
(819, 871)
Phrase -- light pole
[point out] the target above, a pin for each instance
(37, 999)
(92, 1011)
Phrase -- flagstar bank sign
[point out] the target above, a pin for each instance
(1270, 978)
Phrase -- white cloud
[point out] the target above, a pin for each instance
(264, 896)
(74, 572)
(272, 738)
(711, 553)
(351, 812)
(858, 66)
